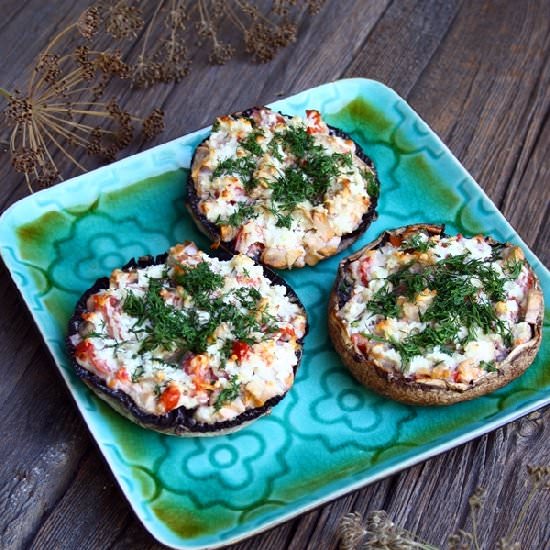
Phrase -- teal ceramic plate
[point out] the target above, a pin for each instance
(329, 435)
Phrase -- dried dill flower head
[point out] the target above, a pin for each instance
(123, 20)
(264, 32)
(61, 113)
(88, 22)
(377, 532)
(153, 124)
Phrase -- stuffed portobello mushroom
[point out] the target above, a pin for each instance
(286, 191)
(430, 319)
(188, 344)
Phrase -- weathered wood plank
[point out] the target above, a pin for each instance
(490, 105)
(75, 517)
(478, 72)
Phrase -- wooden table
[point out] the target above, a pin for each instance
(479, 73)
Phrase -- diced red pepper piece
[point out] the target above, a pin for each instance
(84, 349)
(396, 240)
(122, 374)
(240, 349)
(170, 397)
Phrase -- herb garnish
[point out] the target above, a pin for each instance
(229, 393)
(513, 268)
(309, 178)
(373, 189)
(250, 143)
(243, 166)
(414, 242)
(384, 303)
(138, 373)
(243, 213)
(168, 327)
(198, 279)
(489, 366)
(465, 288)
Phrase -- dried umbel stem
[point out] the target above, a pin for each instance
(378, 532)
(264, 32)
(352, 531)
(60, 114)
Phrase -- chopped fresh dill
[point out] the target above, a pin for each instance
(373, 189)
(250, 143)
(243, 167)
(133, 305)
(464, 289)
(243, 213)
(283, 220)
(384, 303)
(415, 242)
(138, 373)
(199, 279)
(274, 150)
(169, 327)
(229, 393)
(94, 334)
(488, 366)
(298, 141)
(513, 268)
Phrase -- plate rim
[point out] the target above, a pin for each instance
(365, 480)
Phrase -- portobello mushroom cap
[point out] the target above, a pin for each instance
(393, 383)
(213, 231)
(178, 421)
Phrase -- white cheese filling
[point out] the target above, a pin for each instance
(217, 380)
(396, 323)
(314, 231)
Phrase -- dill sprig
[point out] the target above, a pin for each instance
(198, 279)
(229, 393)
(415, 242)
(168, 327)
(243, 213)
(513, 268)
(250, 143)
(310, 178)
(384, 303)
(243, 167)
(458, 302)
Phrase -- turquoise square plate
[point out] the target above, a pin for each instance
(329, 435)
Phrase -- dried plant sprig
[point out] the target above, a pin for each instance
(379, 532)
(60, 113)
(264, 32)
(539, 479)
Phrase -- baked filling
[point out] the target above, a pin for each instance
(431, 308)
(281, 189)
(216, 337)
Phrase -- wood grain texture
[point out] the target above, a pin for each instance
(478, 72)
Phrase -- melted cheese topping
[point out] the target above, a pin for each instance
(126, 341)
(401, 316)
(237, 170)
